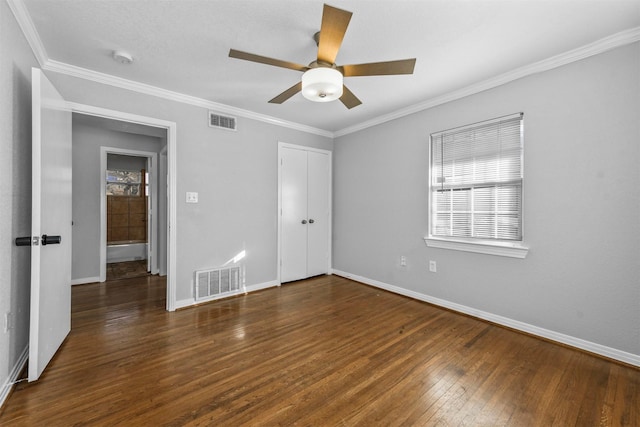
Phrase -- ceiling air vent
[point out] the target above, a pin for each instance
(223, 122)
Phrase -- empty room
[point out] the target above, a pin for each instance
(291, 212)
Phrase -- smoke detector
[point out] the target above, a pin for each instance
(122, 57)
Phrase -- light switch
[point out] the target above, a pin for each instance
(192, 197)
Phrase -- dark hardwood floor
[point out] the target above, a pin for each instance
(321, 352)
(126, 269)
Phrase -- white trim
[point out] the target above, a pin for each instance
(605, 44)
(171, 128)
(612, 353)
(190, 302)
(488, 247)
(25, 23)
(184, 303)
(172, 215)
(85, 280)
(107, 79)
(282, 145)
(13, 375)
(152, 241)
(513, 251)
(260, 286)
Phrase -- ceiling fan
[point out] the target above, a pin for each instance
(322, 80)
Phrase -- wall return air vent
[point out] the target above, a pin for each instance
(223, 122)
(217, 282)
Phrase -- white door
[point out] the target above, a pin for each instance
(318, 180)
(50, 224)
(293, 187)
(305, 178)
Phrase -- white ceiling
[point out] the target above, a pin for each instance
(183, 45)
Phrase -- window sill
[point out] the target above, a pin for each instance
(507, 250)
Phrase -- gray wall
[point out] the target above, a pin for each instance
(235, 174)
(126, 163)
(87, 141)
(16, 60)
(581, 167)
(581, 204)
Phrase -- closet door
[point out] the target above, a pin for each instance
(293, 238)
(305, 178)
(318, 179)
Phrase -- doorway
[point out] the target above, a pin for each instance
(304, 207)
(131, 225)
(166, 262)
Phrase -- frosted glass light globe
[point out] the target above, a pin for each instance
(322, 84)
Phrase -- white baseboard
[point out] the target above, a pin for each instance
(265, 285)
(85, 280)
(13, 375)
(247, 289)
(612, 353)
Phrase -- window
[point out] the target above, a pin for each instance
(476, 184)
(126, 183)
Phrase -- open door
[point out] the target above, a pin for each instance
(50, 321)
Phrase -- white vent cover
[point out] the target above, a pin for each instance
(217, 282)
(222, 122)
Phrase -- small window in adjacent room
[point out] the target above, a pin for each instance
(123, 183)
(475, 187)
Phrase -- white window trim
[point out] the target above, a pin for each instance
(512, 250)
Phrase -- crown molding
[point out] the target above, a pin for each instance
(108, 79)
(600, 46)
(25, 23)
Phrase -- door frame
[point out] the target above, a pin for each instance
(152, 229)
(285, 145)
(171, 128)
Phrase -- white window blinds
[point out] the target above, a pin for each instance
(476, 181)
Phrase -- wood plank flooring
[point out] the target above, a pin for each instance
(320, 352)
(126, 269)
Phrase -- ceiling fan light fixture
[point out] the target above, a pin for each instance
(322, 84)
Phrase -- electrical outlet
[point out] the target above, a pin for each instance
(403, 261)
(432, 266)
(192, 197)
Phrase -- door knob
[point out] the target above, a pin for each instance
(304, 221)
(311, 221)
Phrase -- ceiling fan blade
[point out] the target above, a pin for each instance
(266, 60)
(402, 66)
(349, 99)
(287, 94)
(334, 24)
